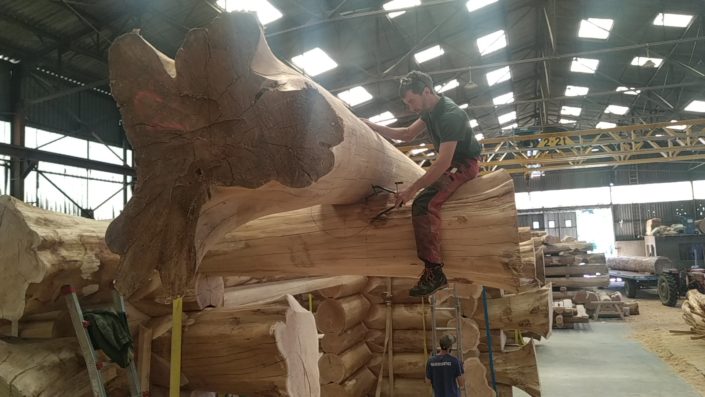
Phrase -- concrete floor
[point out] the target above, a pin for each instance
(601, 360)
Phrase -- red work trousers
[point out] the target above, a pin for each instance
(426, 210)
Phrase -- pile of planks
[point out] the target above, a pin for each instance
(610, 304)
(566, 314)
(568, 264)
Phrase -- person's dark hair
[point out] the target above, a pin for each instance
(415, 82)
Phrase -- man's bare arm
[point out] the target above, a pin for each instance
(401, 134)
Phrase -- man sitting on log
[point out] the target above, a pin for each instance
(445, 372)
(457, 163)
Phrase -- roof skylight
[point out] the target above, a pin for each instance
(503, 99)
(647, 62)
(498, 76)
(507, 117)
(696, 106)
(479, 136)
(605, 124)
(616, 109)
(428, 54)
(355, 96)
(584, 65)
(397, 4)
(266, 13)
(474, 5)
(385, 118)
(314, 62)
(446, 86)
(571, 111)
(673, 20)
(595, 28)
(473, 123)
(463, 106)
(510, 127)
(576, 90)
(566, 121)
(628, 91)
(492, 42)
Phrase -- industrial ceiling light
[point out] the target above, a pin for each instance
(428, 54)
(507, 117)
(492, 42)
(575, 90)
(510, 127)
(571, 111)
(646, 62)
(314, 62)
(473, 123)
(696, 106)
(355, 96)
(474, 5)
(397, 4)
(616, 109)
(463, 106)
(479, 137)
(266, 13)
(384, 118)
(503, 99)
(673, 20)
(498, 76)
(566, 121)
(595, 28)
(584, 65)
(605, 124)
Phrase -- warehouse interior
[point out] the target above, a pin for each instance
(203, 167)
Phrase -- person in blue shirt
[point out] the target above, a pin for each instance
(445, 372)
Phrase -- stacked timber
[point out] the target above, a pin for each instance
(694, 313)
(566, 314)
(343, 364)
(568, 264)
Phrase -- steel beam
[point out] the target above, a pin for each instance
(66, 92)
(23, 153)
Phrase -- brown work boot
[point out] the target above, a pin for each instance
(432, 279)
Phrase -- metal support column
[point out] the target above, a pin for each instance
(17, 131)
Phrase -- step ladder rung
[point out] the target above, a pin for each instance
(446, 328)
(446, 308)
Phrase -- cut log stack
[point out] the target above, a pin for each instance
(566, 314)
(568, 264)
(343, 364)
(528, 312)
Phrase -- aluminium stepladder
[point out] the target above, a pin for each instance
(80, 326)
(454, 308)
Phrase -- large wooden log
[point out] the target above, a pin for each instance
(42, 368)
(590, 258)
(540, 266)
(226, 133)
(410, 341)
(336, 344)
(41, 250)
(528, 260)
(261, 293)
(376, 290)
(335, 368)
(476, 381)
(217, 351)
(334, 316)
(527, 311)
(405, 317)
(517, 367)
(643, 264)
(334, 240)
(361, 383)
(577, 270)
(345, 289)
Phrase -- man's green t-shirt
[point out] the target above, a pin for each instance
(446, 123)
